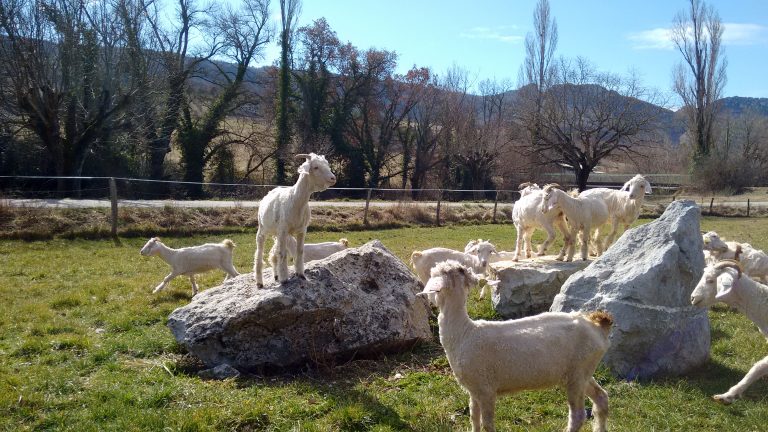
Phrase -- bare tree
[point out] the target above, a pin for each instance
(62, 62)
(163, 63)
(587, 115)
(485, 137)
(289, 11)
(699, 80)
(382, 110)
(537, 69)
(243, 34)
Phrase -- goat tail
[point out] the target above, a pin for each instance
(228, 243)
(602, 319)
(344, 241)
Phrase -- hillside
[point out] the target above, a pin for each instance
(672, 122)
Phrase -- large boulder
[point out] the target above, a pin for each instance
(528, 287)
(645, 281)
(355, 302)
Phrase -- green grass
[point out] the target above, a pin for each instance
(84, 347)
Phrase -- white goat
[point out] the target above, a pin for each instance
(725, 282)
(624, 205)
(528, 188)
(492, 358)
(754, 262)
(477, 256)
(312, 251)
(495, 256)
(527, 216)
(285, 212)
(582, 213)
(192, 260)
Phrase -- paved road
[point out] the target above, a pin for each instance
(94, 203)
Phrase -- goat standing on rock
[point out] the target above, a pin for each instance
(285, 212)
(492, 358)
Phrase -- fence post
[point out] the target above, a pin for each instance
(712, 201)
(367, 202)
(495, 205)
(439, 198)
(113, 199)
(747, 207)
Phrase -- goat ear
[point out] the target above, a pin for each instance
(625, 187)
(434, 285)
(648, 188)
(728, 284)
(302, 156)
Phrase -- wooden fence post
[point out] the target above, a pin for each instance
(747, 207)
(495, 205)
(439, 198)
(113, 199)
(712, 201)
(367, 202)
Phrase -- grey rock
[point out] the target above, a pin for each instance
(358, 301)
(220, 372)
(528, 287)
(645, 281)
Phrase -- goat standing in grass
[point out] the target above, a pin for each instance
(725, 282)
(192, 260)
(492, 358)
(285, 212)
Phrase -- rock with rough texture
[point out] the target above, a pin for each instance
(528, 287)
(645, 281)
(356, 302)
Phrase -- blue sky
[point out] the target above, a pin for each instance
(485, 37)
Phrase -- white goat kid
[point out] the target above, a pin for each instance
(284, 212)
(192, 260)
(492, 358)
(725, 282)
(312, 251)
(527, 216)
(624, 205)
(582, 214)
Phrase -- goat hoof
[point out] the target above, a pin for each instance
(723, 399)
(259, 285)
(301, 276)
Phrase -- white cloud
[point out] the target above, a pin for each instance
(744, 34)
(500, 33)
(658, 38)
(733, 34)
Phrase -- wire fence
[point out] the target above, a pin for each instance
(43, 187)
(116, 192)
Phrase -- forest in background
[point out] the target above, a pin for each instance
(115, 88)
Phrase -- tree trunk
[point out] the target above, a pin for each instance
(582, 176)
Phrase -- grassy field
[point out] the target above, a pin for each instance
(84, 347)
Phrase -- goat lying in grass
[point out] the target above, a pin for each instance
(725, 282)
(492, 358)
(192, 260)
